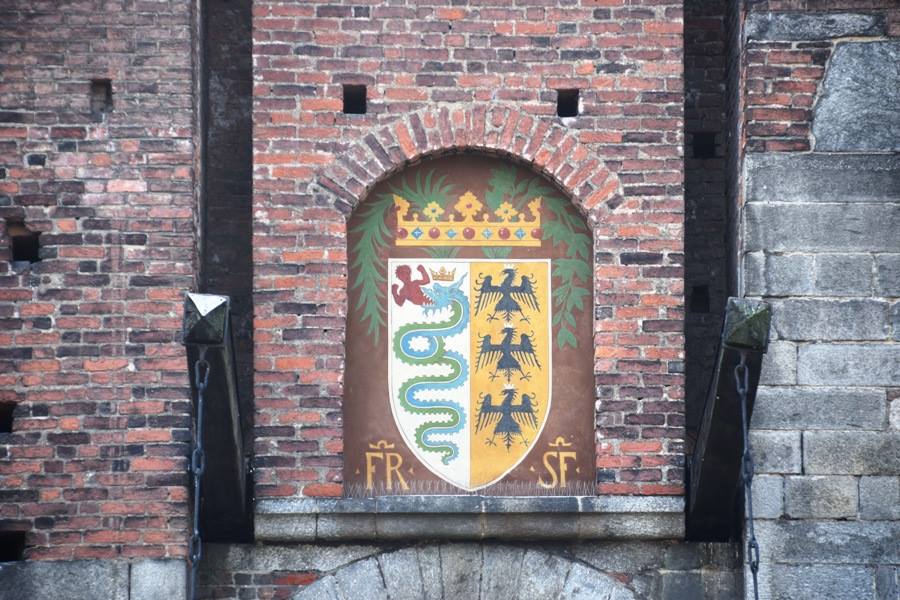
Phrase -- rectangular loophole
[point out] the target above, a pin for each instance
(699, 299)
(354, 99)
(12, 545)
(566, 103)
(101, 99)
(25, 245)
(6, 416)
(703, 144)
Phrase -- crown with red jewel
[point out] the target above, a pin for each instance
(469, 223)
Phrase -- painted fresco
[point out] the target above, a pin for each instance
(469, 346)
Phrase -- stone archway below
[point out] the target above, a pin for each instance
(466, 571)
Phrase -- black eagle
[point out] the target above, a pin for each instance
(508, 356)
(506, 298)
(506, 417)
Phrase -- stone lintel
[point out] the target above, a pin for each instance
(391, 518)
(801, 26)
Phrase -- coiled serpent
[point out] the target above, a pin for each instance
(447, 416)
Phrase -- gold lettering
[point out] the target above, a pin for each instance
(557, 477)
(392, 463)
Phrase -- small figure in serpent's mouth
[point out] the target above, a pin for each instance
(411, 290)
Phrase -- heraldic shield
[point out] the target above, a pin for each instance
(470, 363)
(469, 341)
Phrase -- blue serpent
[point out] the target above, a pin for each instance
(448, 416)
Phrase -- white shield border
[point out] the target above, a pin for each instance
(390, 334)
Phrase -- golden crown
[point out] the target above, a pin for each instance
(468, 224)
(443, 274)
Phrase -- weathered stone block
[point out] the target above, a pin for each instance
(788, 26)
(779, 274)
(844, 274)
(500, 576)
(683, 557)
(584, 583)
(430, 566)
(894, 319)
(802, 320)
(879, 498)
(542, 576)
(819, 408)
(721, 585)
(851, 452)
(887, 274)
(811, 497)
(823, 227)
(776, 451)
(768, 497)
(844, 542)
(824, 581)
(848, 364)
(323, 589)
(779, 365)
(816, 178)
(154, 579)
(402, 576)
(678, 585)
(361, 579)
(857, 107)
(458, 563)
(65, 580)
(289, 527)
(887, 583)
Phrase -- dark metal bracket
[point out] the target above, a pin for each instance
(206, 333)
(715, 469)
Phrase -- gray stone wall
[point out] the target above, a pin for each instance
(821, 243)
(94, 580)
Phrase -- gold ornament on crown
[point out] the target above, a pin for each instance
(468, 224)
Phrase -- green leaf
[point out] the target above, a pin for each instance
(366, 261)
(442, 251)
(500, 186)
(566, 337)
(496, 251)
(423, 193)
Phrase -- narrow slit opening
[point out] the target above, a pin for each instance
(567, 103)
(354, 99)
(25, 245)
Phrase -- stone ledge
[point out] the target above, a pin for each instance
(392, 518)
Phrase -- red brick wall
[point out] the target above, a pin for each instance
(781, 78)
(95, 466)
(481, 74)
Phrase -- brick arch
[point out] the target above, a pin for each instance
(546, 146)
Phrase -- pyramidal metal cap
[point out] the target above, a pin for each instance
(205, 316)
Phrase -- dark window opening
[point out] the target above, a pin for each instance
(699, 299)
(355, 99)
(6, 416)
(101, 99)
(703, 144)
(24, 243)
(12, 545)
(36, 160)
(567, 103)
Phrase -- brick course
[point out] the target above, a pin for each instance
(95, 465)
(478, 75)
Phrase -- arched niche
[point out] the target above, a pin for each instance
(469, 352)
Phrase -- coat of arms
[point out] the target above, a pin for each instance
(470, 363)
(468, 305)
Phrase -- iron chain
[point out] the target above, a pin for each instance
(198, 466)
(742, 383)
